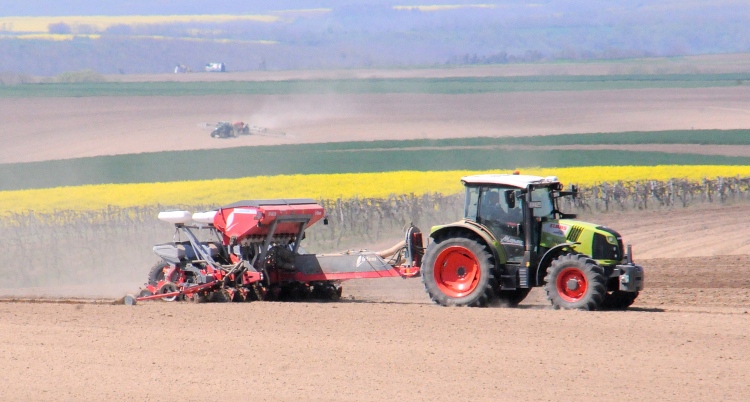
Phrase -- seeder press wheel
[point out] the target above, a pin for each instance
(166, 288)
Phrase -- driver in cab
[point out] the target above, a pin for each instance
(495, 210)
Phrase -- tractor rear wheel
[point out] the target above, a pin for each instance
(575, 281)
(618, 300)
(511, 298)
(459, 271)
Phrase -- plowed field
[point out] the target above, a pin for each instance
(686, 338)
(36, 129)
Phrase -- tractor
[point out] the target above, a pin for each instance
(226, 129)
(513, 237)
(223, 129)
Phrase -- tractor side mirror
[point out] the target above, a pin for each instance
(573, 192)
(510, 198)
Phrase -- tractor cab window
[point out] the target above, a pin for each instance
(472, 203)
(543, 203)
(495, 206)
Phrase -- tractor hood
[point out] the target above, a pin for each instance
(600, 242)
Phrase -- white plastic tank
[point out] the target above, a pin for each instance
(175, 217)
(206, 218)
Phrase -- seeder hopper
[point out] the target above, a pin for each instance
(253, 253)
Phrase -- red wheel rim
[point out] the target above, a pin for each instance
(457, 271)
(572, 284)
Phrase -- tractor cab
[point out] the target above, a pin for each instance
(508, 205)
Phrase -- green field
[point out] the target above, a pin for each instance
(375, 156)
(463, 85)
(698, 137)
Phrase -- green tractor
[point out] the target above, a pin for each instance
(513, 237)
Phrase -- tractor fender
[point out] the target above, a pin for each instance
(471, 227)
(550, 255)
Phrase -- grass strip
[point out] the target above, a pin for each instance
(460, 85)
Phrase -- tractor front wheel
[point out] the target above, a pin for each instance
(575, 281)
(458, 271)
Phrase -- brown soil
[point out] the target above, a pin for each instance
(385, 341)
(685, 337)
(57, 128)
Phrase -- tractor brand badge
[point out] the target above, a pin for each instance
(557, 229)
(564, 228)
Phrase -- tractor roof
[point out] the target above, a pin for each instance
(510, 180)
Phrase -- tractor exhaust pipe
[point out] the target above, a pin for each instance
(630, 254)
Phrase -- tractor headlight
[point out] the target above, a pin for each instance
(612, 240)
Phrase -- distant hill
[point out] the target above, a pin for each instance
(295, 34)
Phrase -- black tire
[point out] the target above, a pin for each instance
(511, 298)
(575, 281)
(453, 262)
(326, 291)
(618, 300)
(220, 296)
(168, 287)
(156, 274)
(199, 297)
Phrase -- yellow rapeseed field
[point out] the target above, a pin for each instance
(443, 7)
(63, 37)
(320, 186)
(102, 22)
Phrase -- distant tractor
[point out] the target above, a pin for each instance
(513, 237)
(223, 129)
(226, 129)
